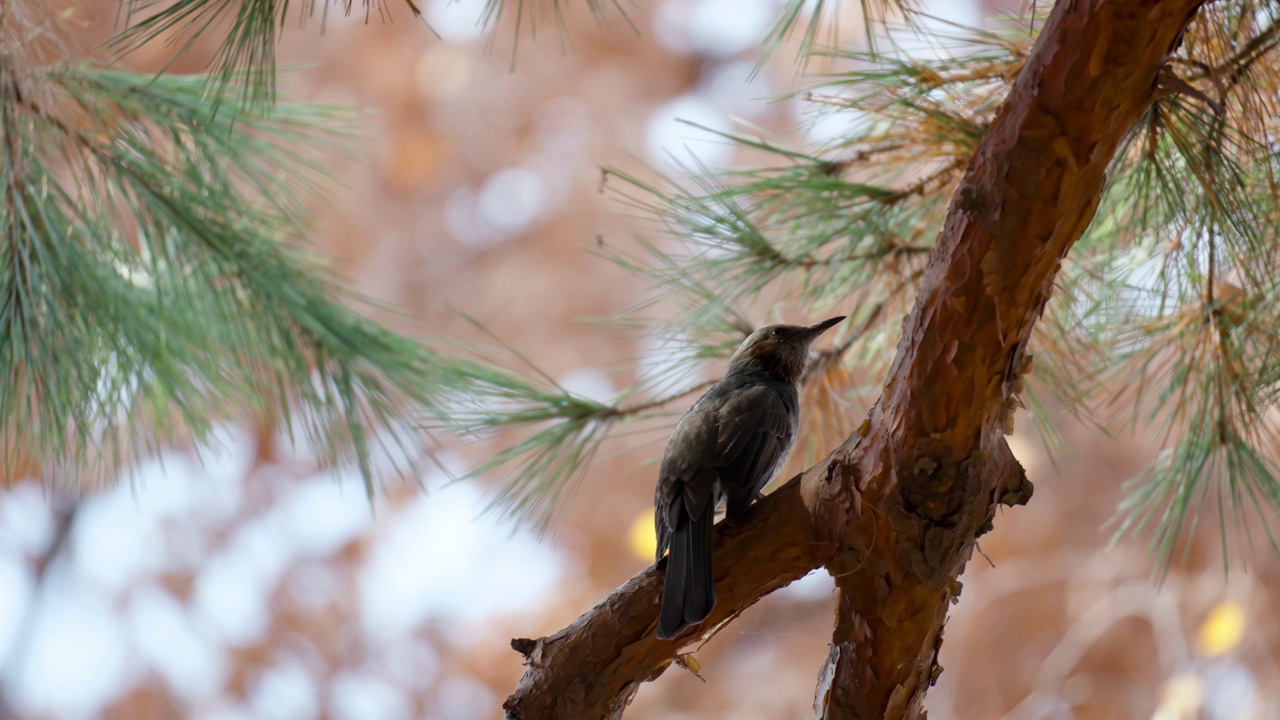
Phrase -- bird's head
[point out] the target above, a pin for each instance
(781, 350)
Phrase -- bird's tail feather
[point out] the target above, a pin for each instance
(689, 593)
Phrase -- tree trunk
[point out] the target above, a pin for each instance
(894, 513)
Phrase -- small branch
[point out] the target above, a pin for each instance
(839, 167)
(935, 178)
(824, 359)
(1235, 66)
(808, 263)
(657, 402)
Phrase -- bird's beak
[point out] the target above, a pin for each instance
(813, 331)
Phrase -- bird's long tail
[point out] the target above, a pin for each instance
(689, 593)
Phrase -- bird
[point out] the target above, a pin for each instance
(727, 446)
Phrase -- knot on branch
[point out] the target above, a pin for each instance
(948, 504)
(935, 487)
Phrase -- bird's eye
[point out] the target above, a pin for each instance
(776, 332)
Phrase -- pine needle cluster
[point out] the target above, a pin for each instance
(152, 279)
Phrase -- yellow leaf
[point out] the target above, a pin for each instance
(641, 538)
(1222, 630)
(690, 663)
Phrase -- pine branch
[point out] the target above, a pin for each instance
(147, 286)
(1184, 250)
(1203, 373)
(245, 61)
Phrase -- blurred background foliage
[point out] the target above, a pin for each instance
(164, 300)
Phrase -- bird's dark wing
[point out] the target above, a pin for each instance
(687, 477)
(756, 428)
(684, 511)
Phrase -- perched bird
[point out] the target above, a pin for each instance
(729, 445)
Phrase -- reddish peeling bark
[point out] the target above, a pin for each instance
(895, 512)
(930, 472)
